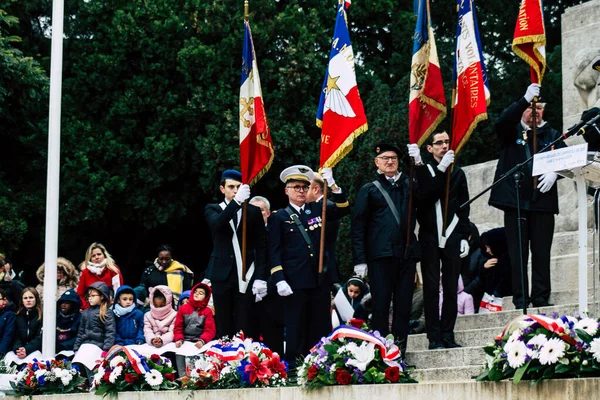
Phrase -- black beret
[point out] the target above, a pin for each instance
(383, 147)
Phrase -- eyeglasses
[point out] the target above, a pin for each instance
(388, 158)
(441, 142)
(299, 188)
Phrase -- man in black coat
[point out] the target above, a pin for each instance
(233, 297)
(379, 239)
(538, 205)
(442, 247)
(315, 193)
(294, 235)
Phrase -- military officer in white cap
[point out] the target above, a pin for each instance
(294, 234)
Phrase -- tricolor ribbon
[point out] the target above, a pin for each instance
(345, 331)
(136, 360)
(227, 352)
(548, 323)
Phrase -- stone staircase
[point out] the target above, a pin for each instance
(475, 331)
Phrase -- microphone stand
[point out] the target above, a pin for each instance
(517, 175)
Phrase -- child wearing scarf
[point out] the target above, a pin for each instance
(130, 320)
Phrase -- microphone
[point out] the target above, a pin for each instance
(588, 118)
(596, 65)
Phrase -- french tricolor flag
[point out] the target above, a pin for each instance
(472, 93)
(256, 146)
(427, 103)
(340, 115)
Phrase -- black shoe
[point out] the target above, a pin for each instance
(451, 344)
(433, 345)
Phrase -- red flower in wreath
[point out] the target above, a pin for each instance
(170, 377)
(130, 378)
(392, 374)
(343, 377)
(357, 323)
(257, 370)
(313, 372)
(155, 358)
(276, 366)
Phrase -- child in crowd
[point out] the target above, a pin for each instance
(348, 299)
(129, 320)
(194, 322)
(27, 342)
(184, 298)
(159, 322)
(7, 323)
(68, 319)
(97, 329)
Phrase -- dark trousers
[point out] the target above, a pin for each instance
(392, 279)
(440, 328)
(232, 308)
(307, 320)
(268, 315)
(537, 230)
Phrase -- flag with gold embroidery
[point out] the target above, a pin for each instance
(529, 40)
(341, 115)
(427, 102)
(256, 146)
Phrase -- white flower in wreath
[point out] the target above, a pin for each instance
(115, 374)
(66, 377)
(595, 349)
(226, 370)
(517, 354)
(363, 355)
(343, 348)
(116, 361)
(39, 372)
(588, 325)
(514, 337)
(153, 378)
(98, 378)
(552, 351)
(536, 342)
(203, 364)
(21, 375)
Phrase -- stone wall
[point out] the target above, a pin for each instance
(580, 27)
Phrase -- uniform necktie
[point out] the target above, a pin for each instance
(392, 181)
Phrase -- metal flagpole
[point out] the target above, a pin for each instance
(53, 182)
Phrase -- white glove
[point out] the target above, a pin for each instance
(360, 270)
(259, 296)
(284, 289)
(532, 91)
(414, 152)
(327, 174)
(464, 248)
(206, 281)
(242, 194)
(259, 287)
(446, 161)
(546, 181)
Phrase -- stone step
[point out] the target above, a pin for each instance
(564, 273)
(458, 357)
(471, 337)
(557, 297)
(568, 242)
(483, 321)
(455, 374)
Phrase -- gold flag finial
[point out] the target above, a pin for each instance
(246, 12)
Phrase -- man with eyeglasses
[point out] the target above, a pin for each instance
(233, 297)
(442, 249)
(294, 236)
(538, 205)
(380, 225)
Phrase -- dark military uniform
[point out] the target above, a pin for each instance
(232, 308)
(430, 219)
(380, 242)
(307, 309)
(537, 209)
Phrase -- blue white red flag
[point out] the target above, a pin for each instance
(341, 115)
(256, 146)
(472, 93)
(427, 103)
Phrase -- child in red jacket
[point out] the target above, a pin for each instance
(194, 322)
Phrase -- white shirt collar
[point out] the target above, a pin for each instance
(396, 176)
(295, 207)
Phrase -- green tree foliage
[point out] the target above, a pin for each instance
(150, 104)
